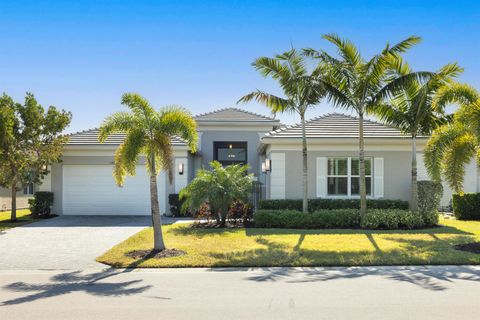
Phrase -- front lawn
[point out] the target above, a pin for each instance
(23, 217)
(288, 247)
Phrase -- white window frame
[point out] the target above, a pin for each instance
(349, 177)
(29, 187)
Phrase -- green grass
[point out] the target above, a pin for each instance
(23, 217)
(288, 247)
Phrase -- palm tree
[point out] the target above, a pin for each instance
(148, 134)
(301, 92)
(220, 187)
(411, 110)
(359, 85)
(454, 144)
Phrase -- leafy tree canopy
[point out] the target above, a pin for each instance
(31, 138)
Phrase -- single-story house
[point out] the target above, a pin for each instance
(83, 184)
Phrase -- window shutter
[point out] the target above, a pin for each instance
(321, 177)
(277, 176)
(378, 174)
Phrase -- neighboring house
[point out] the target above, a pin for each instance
(22, 196)
(83, 184)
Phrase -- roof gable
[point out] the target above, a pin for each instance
(90, 137)
(337, 125)
(233, 115)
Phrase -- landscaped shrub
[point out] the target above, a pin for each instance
(204, 213)
(220, 187)
(240, 211)
(176, 206)
(429, 195)
(41, 203)
(392, 219)
(330, 204)
(466, 206)
(341, 218)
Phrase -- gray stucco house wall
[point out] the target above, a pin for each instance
(396, 166)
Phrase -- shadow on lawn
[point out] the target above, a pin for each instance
(412, 252)
(200, 233)
(432, 278)
(70, 282)
(431, 231)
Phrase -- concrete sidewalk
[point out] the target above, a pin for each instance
(440, 292)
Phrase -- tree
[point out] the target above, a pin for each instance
(357, 84)
(31, 139)
(411, 110)
(218, 187)
(148, 134)
(301, 92)
(454, 144)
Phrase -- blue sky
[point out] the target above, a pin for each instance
(82, 55)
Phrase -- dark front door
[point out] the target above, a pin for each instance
(230, 152)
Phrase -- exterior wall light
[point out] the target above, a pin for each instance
(180, 168)
(267, 166)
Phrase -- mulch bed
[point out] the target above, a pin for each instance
(155, 254)
(473, 247)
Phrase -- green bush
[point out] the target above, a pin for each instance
(429, 196)
(466, 206)
(330, 204)
(392, 219)
(41, 203)
(341, 218)
(176, 206)
(431, 218)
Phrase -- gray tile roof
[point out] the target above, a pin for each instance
(90, 137)
(337, 125)
(233, 114)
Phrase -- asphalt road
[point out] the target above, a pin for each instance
(271, 293)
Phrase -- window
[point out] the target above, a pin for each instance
(344, 176)
(228, 153)
(28, 190)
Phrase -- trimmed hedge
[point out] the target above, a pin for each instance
(41, 203)
(331, 204)
(392, 219)
(466, 206)
(342, 218)
(429, 196)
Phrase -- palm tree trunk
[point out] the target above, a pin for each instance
(158, 243)
(414, 197)
(13, 213)
(305, 165)
(361, 157)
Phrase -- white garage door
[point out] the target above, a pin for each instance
(91, 190)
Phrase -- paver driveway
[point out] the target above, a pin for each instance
(65, 242)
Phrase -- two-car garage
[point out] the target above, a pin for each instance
(91, 190)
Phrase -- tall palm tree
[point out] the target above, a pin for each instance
(357, 84)
(411, 110)
(301, 92)
(454, 144)
(148, 134)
